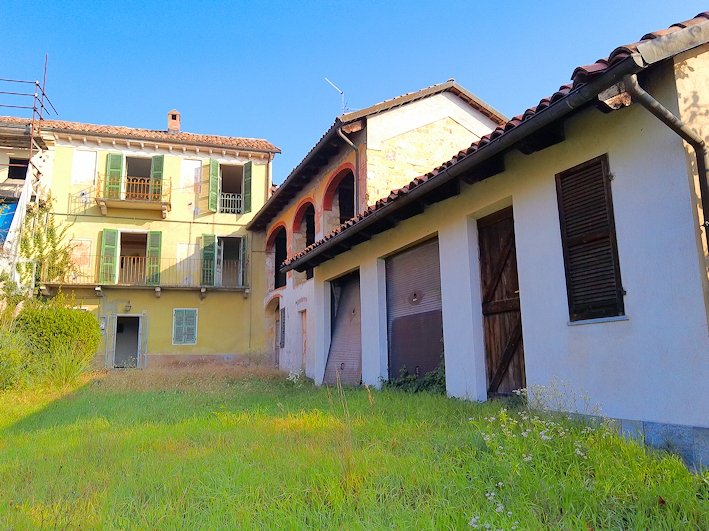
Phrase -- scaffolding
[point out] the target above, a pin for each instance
(22, 133)
(13, 96)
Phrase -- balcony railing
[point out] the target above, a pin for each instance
(146, 271)
(133, 192)
(230, 203)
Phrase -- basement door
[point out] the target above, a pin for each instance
(414, 316)
(345, 358)
(502, 319)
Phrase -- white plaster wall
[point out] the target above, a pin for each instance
(653, 366)
(296, 299)
(400, 120)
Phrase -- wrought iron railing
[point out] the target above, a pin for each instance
(230, 203)
(129, 188)
(146, 271)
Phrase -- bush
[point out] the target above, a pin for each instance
(432, 382)
(15, 357)
(62, 342)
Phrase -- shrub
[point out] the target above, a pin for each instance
(62, 341)
(15, 357)
(432, 382)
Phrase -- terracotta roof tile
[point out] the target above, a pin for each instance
(581, 75)
(150, 135)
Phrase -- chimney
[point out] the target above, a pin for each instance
(173, 122)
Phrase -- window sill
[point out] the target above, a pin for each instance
(599, 320)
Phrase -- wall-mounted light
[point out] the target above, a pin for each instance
(157, 292)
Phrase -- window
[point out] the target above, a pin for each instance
(18, 169)
(184, 326)
(142, 181)
(230, 188)
(83, 169)
(588, 239)
(130, 257)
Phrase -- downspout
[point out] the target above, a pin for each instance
(684, 131)
(356, 180)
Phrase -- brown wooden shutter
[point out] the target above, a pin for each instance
(588, 238)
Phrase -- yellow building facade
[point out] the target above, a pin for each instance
(157, 231)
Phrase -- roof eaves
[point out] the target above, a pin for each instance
(147, 137)
(259, 221)
(563, 102)
(588, 82)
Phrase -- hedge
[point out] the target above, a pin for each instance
(53, 329)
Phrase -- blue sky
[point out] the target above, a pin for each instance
(257, 69)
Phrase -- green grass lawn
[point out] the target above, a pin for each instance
(151, 450)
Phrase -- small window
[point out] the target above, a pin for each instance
(588, 239)
(18, 169)
(184, 326)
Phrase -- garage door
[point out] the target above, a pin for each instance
(414, 318)
(345, 357)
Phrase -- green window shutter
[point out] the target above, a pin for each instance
(109, 257)
(114, 174)
(209, 259)
(157, 164)
(152, 266)
(248, 167)
(244, 260)
(213, 185)
(178, 327)
(190, 327)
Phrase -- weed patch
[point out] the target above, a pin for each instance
(248, 449)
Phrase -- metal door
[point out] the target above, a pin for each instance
(414, 316)
(502, 319)
(345, 358)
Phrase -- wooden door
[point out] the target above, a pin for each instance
(502, 320)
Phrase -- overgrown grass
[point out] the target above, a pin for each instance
(245, 450)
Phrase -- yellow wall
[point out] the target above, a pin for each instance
(225, 318)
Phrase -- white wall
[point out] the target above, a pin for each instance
(654, 366)
(400, 120)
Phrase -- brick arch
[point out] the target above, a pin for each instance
(337, 176)
(300, 212)
(273, 233)
(275, 300)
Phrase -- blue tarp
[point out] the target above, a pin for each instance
(7, 212)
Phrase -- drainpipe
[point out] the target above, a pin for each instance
(684, 131)
(356, 180)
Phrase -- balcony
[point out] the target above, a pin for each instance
(143, 271)
(134, 193)
(230, 203)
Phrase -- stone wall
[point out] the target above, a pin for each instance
(409, 155)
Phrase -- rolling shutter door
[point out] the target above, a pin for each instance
(345, 357)
(414, 316)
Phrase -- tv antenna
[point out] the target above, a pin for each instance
(342, 93)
